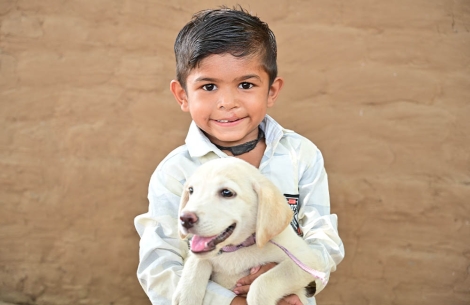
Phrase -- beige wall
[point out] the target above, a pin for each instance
(382, 87)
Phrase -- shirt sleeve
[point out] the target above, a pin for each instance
(318, 225)
(162, 252)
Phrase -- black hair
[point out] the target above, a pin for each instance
(220, 31)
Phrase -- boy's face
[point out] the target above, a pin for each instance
(227, 97)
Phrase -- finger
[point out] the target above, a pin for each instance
(255, 269)
(292, 299)
(242, 290)
(248, 280)
(267, 267)
(282, 302)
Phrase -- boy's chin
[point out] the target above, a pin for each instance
(225, 139)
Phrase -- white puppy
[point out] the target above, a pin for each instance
(224, 203)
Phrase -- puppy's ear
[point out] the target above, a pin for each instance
(184, 199)
(274, 214)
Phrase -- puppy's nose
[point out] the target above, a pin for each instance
(188, 219)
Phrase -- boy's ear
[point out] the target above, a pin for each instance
(274, 90)
(180, 95)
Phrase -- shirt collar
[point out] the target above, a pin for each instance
(273, 132)
(199, 145)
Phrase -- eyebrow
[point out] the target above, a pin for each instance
(242, 78)
(245, 77)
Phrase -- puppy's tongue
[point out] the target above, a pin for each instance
(201, 244)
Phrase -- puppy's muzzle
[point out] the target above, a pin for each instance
(188, 219)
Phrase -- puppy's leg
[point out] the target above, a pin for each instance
(302, 296)
(284, 279)
(193, 282)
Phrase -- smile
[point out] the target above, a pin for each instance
(200, 244)
(227, 121)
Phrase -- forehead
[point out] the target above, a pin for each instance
(226, 66)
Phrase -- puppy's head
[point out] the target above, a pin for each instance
(225, 201)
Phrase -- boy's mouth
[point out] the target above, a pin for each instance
(228, 120)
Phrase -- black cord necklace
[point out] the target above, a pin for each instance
(243, 148)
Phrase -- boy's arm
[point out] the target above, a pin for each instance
(162, 252)
(318, 225)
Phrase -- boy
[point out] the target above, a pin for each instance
(226, 80)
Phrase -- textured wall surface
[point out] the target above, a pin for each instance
(382, 87)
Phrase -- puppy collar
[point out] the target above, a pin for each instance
(251, 240)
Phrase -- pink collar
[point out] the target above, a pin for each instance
(251, 240)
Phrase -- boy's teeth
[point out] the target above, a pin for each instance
(223, 121)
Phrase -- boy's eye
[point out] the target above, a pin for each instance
(245, 85)
(209, 87)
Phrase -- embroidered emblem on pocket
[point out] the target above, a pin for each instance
(293, 201)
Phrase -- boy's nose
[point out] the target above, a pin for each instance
(227, 101)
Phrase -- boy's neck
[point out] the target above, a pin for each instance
(244, 148)
(254, 157)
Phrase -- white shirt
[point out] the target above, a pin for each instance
(293, 163)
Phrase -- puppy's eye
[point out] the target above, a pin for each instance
(226, 193)
(190, 190)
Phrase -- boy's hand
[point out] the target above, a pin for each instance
(287, 300)
(243, 284)
(238, 301)
(291, 299)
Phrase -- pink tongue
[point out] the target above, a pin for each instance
(198, 243)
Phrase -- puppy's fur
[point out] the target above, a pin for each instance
(229, 191)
